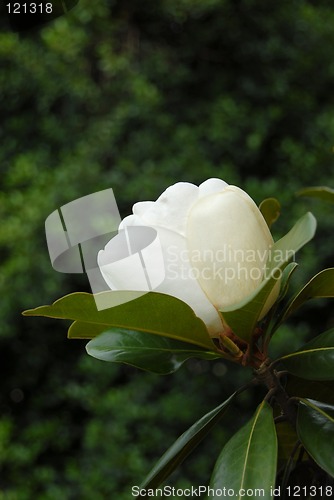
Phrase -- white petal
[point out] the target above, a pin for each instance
(211, 186)
(229, 243)
(172, 274)
(181, 282)
(141, 207)
(131, 220)
(133, 260)
(171, 208)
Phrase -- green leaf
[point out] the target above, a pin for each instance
(249, 458)
(285, 281)
(81, 330)
(243, 317)
(270, 209)
(300, 234)
(315, 427)
(315, 360)
(286, 277)
(320, 286)
(153, 312)
(322, 192)
(143, 350)
(175, 455)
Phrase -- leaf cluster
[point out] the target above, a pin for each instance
(157, 332)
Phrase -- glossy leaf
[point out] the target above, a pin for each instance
(286, 277)
(243, 316)
(322, 192)
(81, 330)
(175, 455)
(270, 209)
(300, 234)
(320, 286)
(249, 458)
(285, 281)
(143, 350)
(315, 360)
(315, 427)
(153, 312)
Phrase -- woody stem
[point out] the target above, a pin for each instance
(270, 378)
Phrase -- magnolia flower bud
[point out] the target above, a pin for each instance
(214, 244)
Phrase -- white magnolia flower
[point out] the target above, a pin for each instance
(211, 249)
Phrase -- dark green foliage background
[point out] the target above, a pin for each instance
(137, 95)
